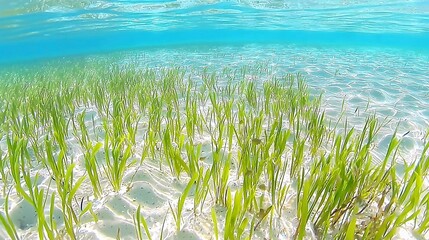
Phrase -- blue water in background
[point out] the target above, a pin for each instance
(34, 30)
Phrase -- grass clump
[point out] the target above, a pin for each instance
(256, 149)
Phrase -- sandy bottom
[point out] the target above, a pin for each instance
(394, 84)
(154, 189)
(148, 185)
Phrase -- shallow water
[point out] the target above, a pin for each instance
(372, 54)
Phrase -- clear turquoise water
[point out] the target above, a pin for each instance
(358, 50)
(37, 29)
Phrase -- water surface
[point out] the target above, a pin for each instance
(32, 30)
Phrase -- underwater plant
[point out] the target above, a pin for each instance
(249, 153)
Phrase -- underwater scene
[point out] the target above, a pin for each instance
(210, 119)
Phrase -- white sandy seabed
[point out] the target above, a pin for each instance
(154, 188)
(146, 185)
